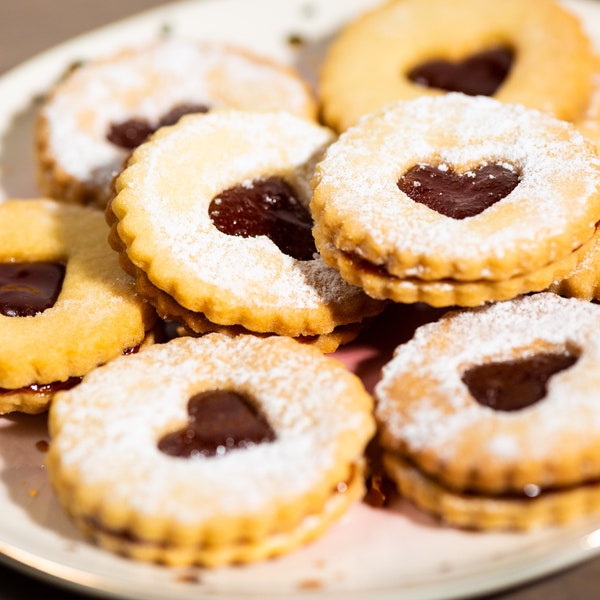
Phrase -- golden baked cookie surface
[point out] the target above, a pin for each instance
(96, 315)
(368, 64)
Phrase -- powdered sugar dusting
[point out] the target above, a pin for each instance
(146, 83)
(175, 178)
(107, 428)
(358, 179)
(423, 401)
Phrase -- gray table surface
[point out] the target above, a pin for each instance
(28, 27)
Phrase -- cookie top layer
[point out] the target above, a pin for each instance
(145, 83)
(358, 206)
(369, 63)
(106, 432)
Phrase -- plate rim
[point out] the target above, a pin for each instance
(17, 84)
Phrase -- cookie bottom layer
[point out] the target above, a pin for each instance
(379, 284)
(276, 544)
(197, 323)
(510, 512)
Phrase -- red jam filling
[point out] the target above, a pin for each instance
(131, 133)
(480, 74)
(458, 195)
(27, 289)
(266, 207)
(515, 384)
(219, 421)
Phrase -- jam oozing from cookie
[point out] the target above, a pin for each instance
(480, 74)
(27, 289)
(515, 384)
(458, 195)
(266, 207)
(131, 133)
(45, 388)
(219, 421)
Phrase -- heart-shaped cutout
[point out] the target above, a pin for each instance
(266, 207)
(480, 74)
(515, 384)
(29, 288)
(219, 421)
(458, 195)
(131, 133)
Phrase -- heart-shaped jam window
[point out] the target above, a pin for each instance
(515, 384)
(219, 421)
(458, 195)
(266, 207)
(29, 288)
(480, 74)
(131, 133)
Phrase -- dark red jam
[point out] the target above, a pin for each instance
(45, 388)
(131, 133)
(172, 116)
(380, 488)
(480, 74)
(27, 289)
(515, 384)
(266, 207)
(458, 195)
(219, 421)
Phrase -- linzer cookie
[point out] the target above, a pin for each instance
(211, 450)
(534, 53)
(489, 417)
(211, 217)
(66, 306)
(456, 200)
(104, 108)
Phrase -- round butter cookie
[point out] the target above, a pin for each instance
(489, 417)
(534, 53)
(66, 306)
(456, 200)
(211, 450)
(104, 108)
(211, 217)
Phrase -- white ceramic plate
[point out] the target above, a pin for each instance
(371, 554)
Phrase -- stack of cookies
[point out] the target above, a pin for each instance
(453, 164)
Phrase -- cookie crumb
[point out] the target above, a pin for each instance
(42, 445)
(310, 584)
(191, 577)
(296, 40)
